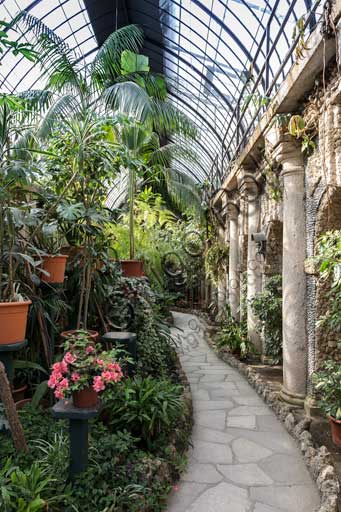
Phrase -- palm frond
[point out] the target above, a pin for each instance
(34, 102)
(165, 154)
(130, 99)
(58, 60)
(168, 119)
(183, 192)
(64, 107)
(106, 66)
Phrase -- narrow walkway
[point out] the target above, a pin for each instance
(243, 459)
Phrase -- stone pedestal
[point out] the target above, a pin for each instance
(289, 154)
(233, 278)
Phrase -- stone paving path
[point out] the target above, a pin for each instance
(243, 459)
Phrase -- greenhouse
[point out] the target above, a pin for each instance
(170, 256)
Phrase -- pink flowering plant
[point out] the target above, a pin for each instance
(84, 365)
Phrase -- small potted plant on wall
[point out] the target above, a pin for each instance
(49, 242)
(327, 383)
(84, 372)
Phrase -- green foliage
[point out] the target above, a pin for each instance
(133, 62)
(267, 307)
(216, 260)
(147, 407)
(328, 258)
(327, 383)
(298, 129)
(233, 335)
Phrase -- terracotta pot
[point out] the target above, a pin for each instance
(55, 266)
(19, 393)
(85, 398)
(93, 335)
(21, 404)
(336, 430)
(132, 268)
(13, 320)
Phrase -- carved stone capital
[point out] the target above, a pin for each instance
(247, 185)
(289, 154)
(232, 210)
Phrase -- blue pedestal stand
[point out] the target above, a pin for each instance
(79, 430)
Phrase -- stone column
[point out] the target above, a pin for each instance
(289, 154)
(233, 279)
(222, 281)
(249, 189)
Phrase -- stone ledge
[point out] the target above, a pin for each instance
(317, 459)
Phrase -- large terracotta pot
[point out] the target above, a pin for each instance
(93, 335)
(85, 398)
(336, 430)
(132, 268)
(13, 321)
(55, 266)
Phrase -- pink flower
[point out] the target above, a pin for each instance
(89, 349)
(114, 366)
(69, 358)
(57, 375)
(100, 362)
(75, 377)
(98, 384)
(59, 394)
(52, 383)
(64, 384)
(64, 367)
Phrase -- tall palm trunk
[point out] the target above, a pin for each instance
(131, 211)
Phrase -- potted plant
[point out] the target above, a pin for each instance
(327, 383)
(84, 372)
(13, 305)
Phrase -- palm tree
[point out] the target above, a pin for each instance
(136, 99)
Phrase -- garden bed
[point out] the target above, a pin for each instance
(125, 473)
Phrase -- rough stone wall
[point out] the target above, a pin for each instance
(322, 113)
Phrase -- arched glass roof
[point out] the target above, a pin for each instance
(223, 59)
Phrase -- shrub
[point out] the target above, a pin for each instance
(234, 335)
(327, 383)
(146, 407)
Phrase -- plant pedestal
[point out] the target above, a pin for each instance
(126, 341)
(78, 430)
(6, 357)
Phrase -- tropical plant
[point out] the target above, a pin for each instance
(233, 335)
(146, 407)
(327, 383)
(267, 307)
(216, 260)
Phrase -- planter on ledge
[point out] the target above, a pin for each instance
(335, 426)
(55, 266)
(85, 398)
(13, 321)
(132, 268)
